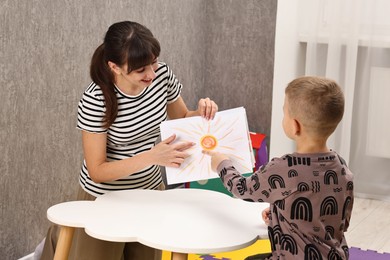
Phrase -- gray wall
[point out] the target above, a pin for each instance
(217, 48)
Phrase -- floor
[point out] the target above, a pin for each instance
(370, 225)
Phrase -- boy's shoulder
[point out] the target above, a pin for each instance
(307, 159)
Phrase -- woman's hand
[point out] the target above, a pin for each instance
(216, 158)
(171, 155)
(207, 108)
(266, 215)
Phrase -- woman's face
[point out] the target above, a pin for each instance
(139, 78)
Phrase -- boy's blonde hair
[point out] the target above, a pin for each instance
(317, 103)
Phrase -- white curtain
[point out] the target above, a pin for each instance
(349, 41)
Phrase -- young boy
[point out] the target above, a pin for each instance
(311, 190)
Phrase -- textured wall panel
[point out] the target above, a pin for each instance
(239, 57)
(221, 49)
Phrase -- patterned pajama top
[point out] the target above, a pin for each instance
(311, 199)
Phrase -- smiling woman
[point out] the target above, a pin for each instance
(119, 115)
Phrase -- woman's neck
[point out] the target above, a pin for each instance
(126, 87)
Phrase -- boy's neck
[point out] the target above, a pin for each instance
(312, 146)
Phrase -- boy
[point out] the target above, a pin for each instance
(311, 190)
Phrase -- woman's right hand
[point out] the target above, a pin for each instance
(168, 154)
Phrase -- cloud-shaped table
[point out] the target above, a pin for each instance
(177, 220)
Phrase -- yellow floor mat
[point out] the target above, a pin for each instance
(261, 246)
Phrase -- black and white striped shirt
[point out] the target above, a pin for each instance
(134, 131)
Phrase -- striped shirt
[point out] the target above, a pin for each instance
(134, 131)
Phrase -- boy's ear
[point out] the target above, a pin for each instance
(297, 127)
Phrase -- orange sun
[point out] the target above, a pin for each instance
(208, 142)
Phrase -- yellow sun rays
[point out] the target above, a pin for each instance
(209, 135)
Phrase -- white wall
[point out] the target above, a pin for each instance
(288, 65)
(362, 138)
(290, 57)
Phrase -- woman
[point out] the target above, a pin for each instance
(119, 114)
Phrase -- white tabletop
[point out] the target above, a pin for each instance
(177, 220)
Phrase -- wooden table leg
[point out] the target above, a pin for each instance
(64, 243)
(179, 256)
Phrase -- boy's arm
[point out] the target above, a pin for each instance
(234, 182)
(256, 187)
(216, 158)
(348, 214)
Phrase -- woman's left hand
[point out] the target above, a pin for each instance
(207, 108)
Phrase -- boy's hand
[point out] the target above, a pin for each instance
(216, 158)
(266, 215)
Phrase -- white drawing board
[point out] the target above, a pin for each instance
(227, 133)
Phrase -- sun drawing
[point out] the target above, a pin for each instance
(208, 142)
(211, 135)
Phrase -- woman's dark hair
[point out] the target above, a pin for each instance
(124, 43)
